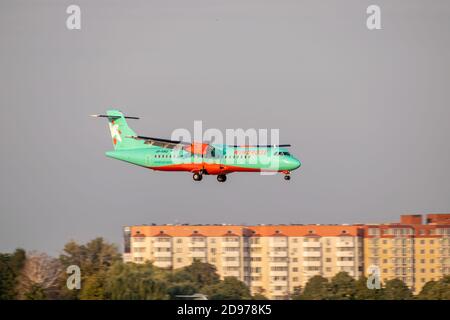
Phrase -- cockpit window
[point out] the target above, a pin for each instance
(282, 153)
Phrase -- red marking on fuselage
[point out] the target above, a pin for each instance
(208, 167)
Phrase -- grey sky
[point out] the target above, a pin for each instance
(367, 112)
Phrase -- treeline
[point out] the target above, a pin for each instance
(37, 276)
(344, 287)
(104, 276)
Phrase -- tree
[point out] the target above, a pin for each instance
(342, 287)
(180, 289)
(94, 258)
(317, 288)
(362, 292)
(260, 294)
(39, 276)
(135, 282)
(10, 267)
(436, 290)
(96, 255)
(297, 293)
(229, 289)
(396, 289)
(199, 274)
(93, 287)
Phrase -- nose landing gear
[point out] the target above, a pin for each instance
(197, 177)
(287, 176)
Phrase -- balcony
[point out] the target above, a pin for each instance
(278, 283)
(230, 263)
(310, 273)
(312, 263)
(255, 254)
(231, 253)
(278, 254)
(312, 254)
(160, 244)
(273, 243)
(198, 254)
(345, 263)
(162, 254)
(283, 273)
(312, 244)
(345, 244)
(278, 263)
(231, 244)
(345, 254)
(199, 244)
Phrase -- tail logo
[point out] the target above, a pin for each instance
(115, 132)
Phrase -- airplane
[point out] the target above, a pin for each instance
(197, 158)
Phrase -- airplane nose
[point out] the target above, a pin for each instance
(295, 164)
(292, 163)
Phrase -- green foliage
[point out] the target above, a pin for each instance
(317, 288)
(10, 267)
(105, 276)
(93, 287)
(135, 282)
(342, 287)
(436, 290)
(94, 258)
(229, 289)
(200, 275)
(259, 296)
(36, 292)
(396, 289)
(362, 292)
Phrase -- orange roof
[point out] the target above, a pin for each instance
(188, 230)
(235, 230)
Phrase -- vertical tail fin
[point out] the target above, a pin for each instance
(121, 133)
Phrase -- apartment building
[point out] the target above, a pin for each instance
(275, 259)
(271, 259)
(409, 250)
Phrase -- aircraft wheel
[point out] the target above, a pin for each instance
(287, 178)
(197, 177)
(221, 178)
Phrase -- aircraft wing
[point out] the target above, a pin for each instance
(163, 143)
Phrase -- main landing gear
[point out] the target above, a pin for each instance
(221, 178)
(198, 176)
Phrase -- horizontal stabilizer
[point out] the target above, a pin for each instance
(112, 117)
